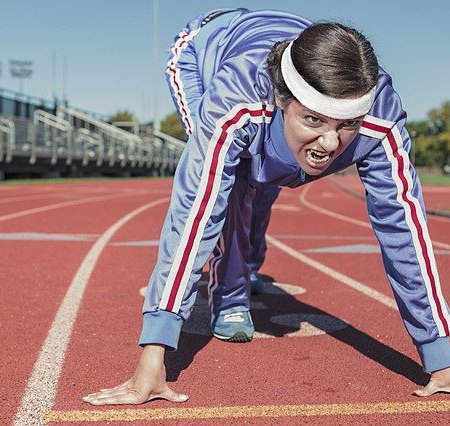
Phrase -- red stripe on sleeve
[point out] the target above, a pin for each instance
(375, 127)
(419, 228)
(205, 200)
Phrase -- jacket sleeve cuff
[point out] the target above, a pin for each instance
(435, 355)
(161, 327)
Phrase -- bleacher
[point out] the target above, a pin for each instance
(51, 139)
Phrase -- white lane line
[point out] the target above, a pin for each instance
(286, 207)
(27, 197)
(64, 204)
(344, 279)
(146, 243)
(40, 392)
(349, 219)
(328, 212)
(324, 237)
(40, 236)
(54, 193)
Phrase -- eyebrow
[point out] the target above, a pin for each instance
(324, 117)
(316, 113)
(310, 111)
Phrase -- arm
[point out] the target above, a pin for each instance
(397, 213)
(203, 181)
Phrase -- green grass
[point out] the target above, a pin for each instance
(425, 178)
(43, 181)
(40, 181)
(439, 180)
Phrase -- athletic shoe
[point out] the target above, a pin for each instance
(256, 283)
(236, 327)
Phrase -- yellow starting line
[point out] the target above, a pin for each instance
(124, 415)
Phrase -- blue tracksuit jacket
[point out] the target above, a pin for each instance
(219, 80)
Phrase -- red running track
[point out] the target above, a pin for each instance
(322, 347)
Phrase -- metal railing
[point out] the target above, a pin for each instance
(120, 147)
(52, 135)
(173, 149)
(76, 139)
(93, 146)
(7, 139)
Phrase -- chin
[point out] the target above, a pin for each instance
(315, 172)
(311, 171)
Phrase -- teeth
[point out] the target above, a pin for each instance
(318, 157)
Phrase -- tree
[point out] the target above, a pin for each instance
(431, 138)
(440, 118)
(172, 126)
(123, 115)
(418, 128)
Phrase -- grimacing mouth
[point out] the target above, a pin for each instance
(318, 157)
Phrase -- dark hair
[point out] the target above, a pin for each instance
(336, 60)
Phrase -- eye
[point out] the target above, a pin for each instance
(351, 124)
(312, 120)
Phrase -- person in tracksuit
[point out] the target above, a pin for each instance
(270, 100)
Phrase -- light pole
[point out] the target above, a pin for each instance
(64, 81)
(21, 70)
(54, 81)
(156, 124)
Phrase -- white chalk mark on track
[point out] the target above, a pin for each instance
(40, 392)
(329, 212)
(344, 279)
(41, 236)
(65, 204)
(26, 197)
(349, 219)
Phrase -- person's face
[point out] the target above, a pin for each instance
(314, 139)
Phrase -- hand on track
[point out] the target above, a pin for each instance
(147, 383)
(439, 382)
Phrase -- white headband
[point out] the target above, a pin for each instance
(341, 109)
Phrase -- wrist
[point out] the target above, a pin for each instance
(154, 350)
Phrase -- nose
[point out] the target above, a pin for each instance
(329, 141)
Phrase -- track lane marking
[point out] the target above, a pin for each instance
(302, 410)
(26, 197)
(344, 279)
(40, 392)
(329, 212)
(348, 219)
(435, 214)
(27, 212)
(50, 194)
(439, 218)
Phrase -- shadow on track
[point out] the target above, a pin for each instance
(280, 305)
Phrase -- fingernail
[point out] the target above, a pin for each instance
(183, 397)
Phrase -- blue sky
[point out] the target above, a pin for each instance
(107, 46)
